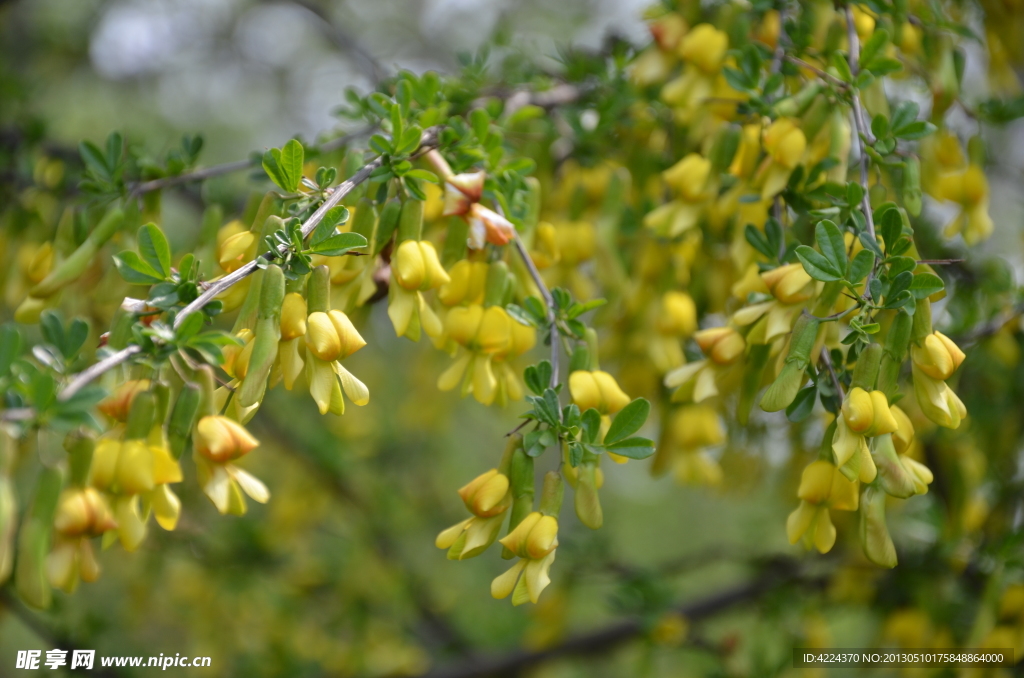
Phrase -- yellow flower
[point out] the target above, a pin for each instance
(938, 402)
(864, 415)
(937, 356)
(484, 494)
(466, 283)
(117, 404)
(785, 144)
(235, 250)
(534, 540)
(83, 512)
(704, 47)
(293, 316)
(822, 487)
(416, 266)
(332, 336)
(487, 498)
(597, 390)
(688, 431)
(723, 345)
(220, 439)
(790, 284)
(970, 189)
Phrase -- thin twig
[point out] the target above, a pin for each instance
(609, 637)
(827, 359)
(549, 301)
(780, 47)
(940, 262)
(858, 120)
(230, 167)
(817, 71)
(428, 140)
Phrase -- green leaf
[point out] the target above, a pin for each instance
(898, 265)
(328, 226)
(10, 346)
(861, 266)
(830, 242)
(78, 332)
(190, 326)
(52, 329)
(577, 310)
(291, 160)
(899, 284)
(134, 270)
(590, 423)
(926, 284)
(817, 266)
(759, 241)
(538, 376)
(628, 421)
(154, 249)
(802, 405)
(880, 126)
(339, 244)
(914, 130)
(871, 244)
(94, 159)
(423, 175)
(904, 114)
(874, 46)
(634, 448)
(839, 62)
(409, 141)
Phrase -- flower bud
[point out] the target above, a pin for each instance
(83, 512)
(35, 262)
(463, 323)
(903, 436)
(484, 495)
(597, 390)
(234, 250)
(785, 142)
(466, 281)
(495, 333)
(236, 357)
(220, 439)
(723, 345)
(332, 336)
(868, 414)
(705, 47)
(816, 482)
(937, 356)
(117, 404)
(677, 315)
(689, 176)
(937, 400)
(790, 284)
(535, 537)
(408, 265)
(134, 473)
(293, 316)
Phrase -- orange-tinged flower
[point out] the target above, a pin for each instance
(220, 439)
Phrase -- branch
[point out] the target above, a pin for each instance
(827, 359)
(549, 301)
(428, 140)
(613, 635)
(863, 133)
(230, 167)
(817, 71)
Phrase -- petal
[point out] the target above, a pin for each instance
(250, 484)
(166, 507)
(451, 377)
(321, 380)
(798, 522)
(448, 536)
(824, 531)
(400, 309)
(218, 488)
(503, 584)
(356, 390)
(536, 576)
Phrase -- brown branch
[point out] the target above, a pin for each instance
(827, 359)
(618, 633)
(817, 71)
(549, 301)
